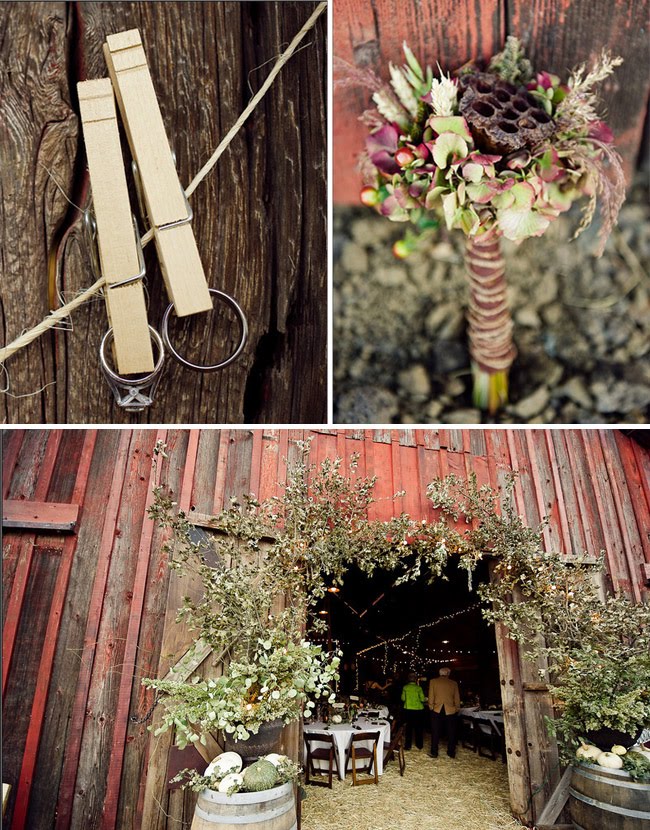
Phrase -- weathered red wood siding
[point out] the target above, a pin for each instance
(558, 34)
(85, 611)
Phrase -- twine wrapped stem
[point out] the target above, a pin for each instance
(489, 321)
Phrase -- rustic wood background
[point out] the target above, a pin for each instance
(260, 216)
(557, 34)
(88, 614)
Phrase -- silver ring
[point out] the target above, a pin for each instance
(108, 337)
(243, 325)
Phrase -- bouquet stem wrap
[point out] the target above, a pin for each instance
(489, 321)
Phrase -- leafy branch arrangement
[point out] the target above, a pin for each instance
(271, 562)
(495, 152)
(595, 650)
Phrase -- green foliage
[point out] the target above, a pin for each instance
(511, 64)
(638, 766)
(593, 651)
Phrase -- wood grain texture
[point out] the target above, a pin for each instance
(260, 216)
(558, 35)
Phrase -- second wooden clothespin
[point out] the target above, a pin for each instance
(120, 253)
(163, 195)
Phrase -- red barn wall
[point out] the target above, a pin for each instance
(84, 611)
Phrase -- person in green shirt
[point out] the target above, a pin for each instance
(413, 708)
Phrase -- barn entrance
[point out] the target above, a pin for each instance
(386, 631)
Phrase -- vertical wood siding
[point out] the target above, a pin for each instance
(88, 614)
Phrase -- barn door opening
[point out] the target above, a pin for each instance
(387, 630)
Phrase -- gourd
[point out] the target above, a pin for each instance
(275, 759)
(225, 763)
(619, 750)
(587, 752)
(261, 775)
(609, 760)
(233, 779)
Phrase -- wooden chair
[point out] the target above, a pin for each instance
(396, 747)
(320, 753)
(489, 740)
(361, 753)
(468, 737)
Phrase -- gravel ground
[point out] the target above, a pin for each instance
(582, 325)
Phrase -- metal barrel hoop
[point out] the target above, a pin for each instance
(133, 394)
(243, 325)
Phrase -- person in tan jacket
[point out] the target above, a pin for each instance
(444, 703)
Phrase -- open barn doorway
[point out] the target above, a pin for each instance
(388, 632)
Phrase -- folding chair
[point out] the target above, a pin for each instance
(489, 738)
(320, 753)
(356, 753)
(396, 747)
(468, 737)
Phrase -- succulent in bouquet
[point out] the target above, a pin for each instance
(495, 152)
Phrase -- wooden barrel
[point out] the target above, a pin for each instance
(267, 810)
(608, 798)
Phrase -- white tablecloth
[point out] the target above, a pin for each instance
(343, 733)
(487, 714)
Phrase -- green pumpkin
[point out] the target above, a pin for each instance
(261, 775)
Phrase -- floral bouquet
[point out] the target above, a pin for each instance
(495, 152)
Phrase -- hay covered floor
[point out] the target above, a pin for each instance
(466, 793)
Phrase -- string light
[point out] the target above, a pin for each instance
(419, 628)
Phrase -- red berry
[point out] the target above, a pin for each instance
(404, 157)
(369, 196)
(401, 249)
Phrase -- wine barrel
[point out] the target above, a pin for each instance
(608, 798)
(267, 810)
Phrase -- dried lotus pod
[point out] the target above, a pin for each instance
(503, 118)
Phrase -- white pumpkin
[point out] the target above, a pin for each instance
(275, 759)
(587, 752)
(231, 780)
(619, 750)
(337, 719)
(609, 760)
(225, 763)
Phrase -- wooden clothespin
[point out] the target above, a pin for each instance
(163, 195)
(120, 252)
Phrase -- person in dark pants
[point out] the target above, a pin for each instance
(413, 707)
(444, 703)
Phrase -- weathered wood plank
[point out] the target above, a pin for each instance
(136, 756)
(24, 561)
(20, 690)
(50, 639)
(620, 495)
(128, 662)
(120, 603)
(556, 802)
(260, 217)
(560, 34)
(11, 443)
(39, 515)
(68, 790)
(634, 478)
(37, 127)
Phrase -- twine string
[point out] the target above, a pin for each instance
(60, 314)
